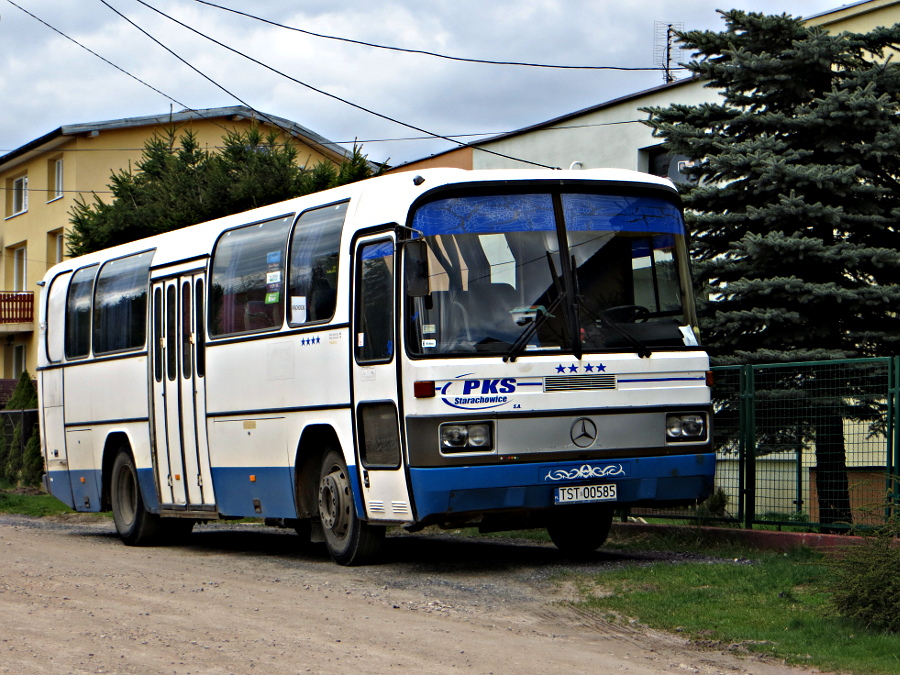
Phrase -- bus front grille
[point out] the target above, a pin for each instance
(579, 382)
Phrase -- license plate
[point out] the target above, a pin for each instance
(582, 494)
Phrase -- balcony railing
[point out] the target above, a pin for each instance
(16, 307)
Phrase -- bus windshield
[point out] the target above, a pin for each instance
(518, 273)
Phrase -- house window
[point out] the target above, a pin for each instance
(56, 250)
(55, 179)
(17, 196)
(20, 268)
(18, 364)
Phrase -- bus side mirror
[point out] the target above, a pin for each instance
(416, 253)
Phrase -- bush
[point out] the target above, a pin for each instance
(21, 465)
(865, 585)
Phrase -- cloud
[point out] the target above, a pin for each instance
(48, 81)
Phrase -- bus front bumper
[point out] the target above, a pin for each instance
(645, 481)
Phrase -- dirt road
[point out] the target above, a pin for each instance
(242, 599)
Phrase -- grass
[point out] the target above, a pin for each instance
(770, 603)
(30, 503)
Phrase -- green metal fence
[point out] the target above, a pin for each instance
(811, 444)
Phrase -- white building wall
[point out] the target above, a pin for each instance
(609, 136)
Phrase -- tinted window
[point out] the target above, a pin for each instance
(375, 303)
(247, 285)
(56, 312)
(314, 264)
(120, 304)
(78, 313)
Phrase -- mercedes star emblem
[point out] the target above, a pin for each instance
(583, 432)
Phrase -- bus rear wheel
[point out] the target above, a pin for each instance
(136, 526)
(349, 540)
(580, 529)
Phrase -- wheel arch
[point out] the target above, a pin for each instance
(115, 442)
(315, 442)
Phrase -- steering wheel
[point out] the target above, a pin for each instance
(628, 313)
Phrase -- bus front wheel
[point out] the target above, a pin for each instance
(349, 540)
(580, 529)
(136, 526)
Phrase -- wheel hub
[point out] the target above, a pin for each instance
(334, 508)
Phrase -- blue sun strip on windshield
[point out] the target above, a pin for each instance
(534, 213)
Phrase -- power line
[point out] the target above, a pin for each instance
(330, 95)
(398, 139)
(108, 62)
(429, 135)
(192, 67)
(422, 51)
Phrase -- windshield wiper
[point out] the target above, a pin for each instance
(606, 319)
(543, 314)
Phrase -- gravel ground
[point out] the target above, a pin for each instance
(240, 598)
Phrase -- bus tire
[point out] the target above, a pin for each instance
(349, 540)
(136, 526)
(580, 530)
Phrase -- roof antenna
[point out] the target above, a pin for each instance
(665, 54)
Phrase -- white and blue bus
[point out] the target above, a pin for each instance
(505, 349)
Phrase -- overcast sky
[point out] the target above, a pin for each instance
(47, 81)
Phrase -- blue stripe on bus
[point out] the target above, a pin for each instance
(273, 486)
(59, 484)
(235, 492)
(663, 379)
(449, 490)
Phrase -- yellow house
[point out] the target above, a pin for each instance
(42, 179)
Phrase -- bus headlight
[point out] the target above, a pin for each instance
(685, 427)
(473, 437)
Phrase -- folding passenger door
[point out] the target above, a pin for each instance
(179, 394)
(375, 381)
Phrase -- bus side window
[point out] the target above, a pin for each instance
(375, 303)
(120, 304)
(157, 335)
(314, 264)
(78, 313)
(247, 283)
(56, 312)
(200, 315)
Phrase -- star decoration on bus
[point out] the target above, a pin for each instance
(310, 341)
(588, 368)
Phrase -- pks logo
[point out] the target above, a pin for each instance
(478, 394)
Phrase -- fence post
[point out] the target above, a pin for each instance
(747, 425)
(893, 437)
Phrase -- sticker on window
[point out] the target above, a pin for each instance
(298, 309)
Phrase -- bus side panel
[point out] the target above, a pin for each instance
(256, 392)
(284, 373)
(53, 437)
(103, 397)
(84, 472)
(110, 390)
(251, 475)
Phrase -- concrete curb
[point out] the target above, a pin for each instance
(762, 539)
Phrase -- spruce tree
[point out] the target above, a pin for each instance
(795, 206)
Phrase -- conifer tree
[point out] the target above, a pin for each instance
(795, 206)
(177, 183)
